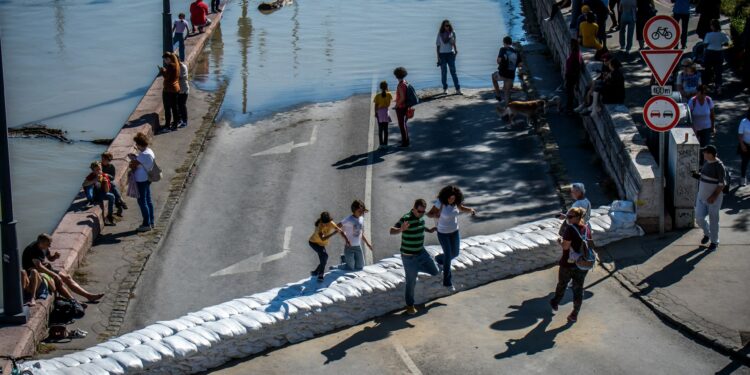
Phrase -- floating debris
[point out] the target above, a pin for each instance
(39, 131)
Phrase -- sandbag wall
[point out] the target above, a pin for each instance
(298, 311)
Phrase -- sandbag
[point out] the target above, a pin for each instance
(128, 361)
(109, 365)
(181, 347)
(360, 285)
(68, 362)
(260, 317)
(536, 238)
(112, 345)
(196, 339)
(218, 312)
(300, 304)
(161, 329)
(480, 253)
(226, 328)
(337, 296)
(251, 303)
(204, 315)
(146, 354)
(248, 322)
(240, 307)
(165, 351)
(101, 350)
(81, 357)
(193, 319)
(622, 206)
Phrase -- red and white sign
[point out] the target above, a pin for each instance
(661, 113)
(661, 62)
(662, 32)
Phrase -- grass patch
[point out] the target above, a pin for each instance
(737, 11)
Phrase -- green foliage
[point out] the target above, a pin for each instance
(737, 11)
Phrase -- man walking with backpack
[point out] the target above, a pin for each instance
(508, 59)
(406, 99)
(711, 187)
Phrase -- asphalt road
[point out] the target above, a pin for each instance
(505, 327)
(243, 225)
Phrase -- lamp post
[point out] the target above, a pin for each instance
(13, 310)
(167, 28)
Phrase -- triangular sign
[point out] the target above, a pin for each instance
(661, 62)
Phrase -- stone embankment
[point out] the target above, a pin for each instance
(79, 227)
(298, 311)
(624, 153)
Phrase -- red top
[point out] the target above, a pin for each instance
(198, 12)
(401, 94)
(100, 182)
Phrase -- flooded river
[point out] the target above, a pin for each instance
(82, 65)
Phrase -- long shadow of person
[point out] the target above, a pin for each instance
(383, 329)
(363, 159)
(673, 272)
(537, 340)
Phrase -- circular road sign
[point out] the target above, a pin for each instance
(661, 32)
(661, 113)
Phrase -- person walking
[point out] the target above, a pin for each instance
(142, 164)
(402, 107)
(382, 102)
(744, 146)
(645, 9)
(712, 178)
(182, 96)
(446, 209)
(215, 6)
(573, 242)
(681, 14)
(702, 113)
(413, 255)
(171, 87)
(508, 59)
(353, 227)
(714, 56)
(628, 15)
(709, 10)
(615, 13)
(573, 68)
(180, 30)
(199, 15)
(446, 55)
(325, 228)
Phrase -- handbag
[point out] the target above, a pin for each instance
(410, 112)
(587, 259)
(154, 174)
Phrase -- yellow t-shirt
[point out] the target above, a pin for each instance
(587, 31)
(381, 102)
(326, 229)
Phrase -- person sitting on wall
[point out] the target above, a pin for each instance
(608, 90)
(587, 32)
(98, 189)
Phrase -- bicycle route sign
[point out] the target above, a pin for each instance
(661, 32)
(661, 113)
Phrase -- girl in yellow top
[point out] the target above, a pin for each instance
(587, 32)
(325, 228)
(382, 102)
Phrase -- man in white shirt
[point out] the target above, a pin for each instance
(353, 227)
(743, 135)
(710, 195)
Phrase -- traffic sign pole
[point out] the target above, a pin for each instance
(661, 183)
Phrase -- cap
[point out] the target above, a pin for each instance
(711, 149)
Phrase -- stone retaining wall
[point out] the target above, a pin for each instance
(623, 151)
(78, 228)
(298, 311)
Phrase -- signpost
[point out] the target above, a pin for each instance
(661, 112)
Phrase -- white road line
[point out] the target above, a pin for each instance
(406, 358)
(314, 135)
(287, 238)
(368, 173)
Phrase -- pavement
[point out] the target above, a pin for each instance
(503, 327)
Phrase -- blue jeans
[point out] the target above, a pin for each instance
(144, 202)
(684, 19)
(703, 209)
(413, 264)
(450, 242)
(354, 258)
(448, 59)
(322, 256)
(180, 40)
(629, 24)
(96, 196)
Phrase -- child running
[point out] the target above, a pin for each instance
(382, 102)
(325, 228)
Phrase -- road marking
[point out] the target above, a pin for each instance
(255, 262)
(406, 358)
(368, 174)
(289, 146)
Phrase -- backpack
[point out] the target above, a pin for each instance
(727, 179)
(693, 101)
(508, 61)
(411, 96)
(586, 259)
(65, 310)
(154, 174)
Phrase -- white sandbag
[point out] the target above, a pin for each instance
(391, 262)
(91, 369)
(314, 303)
(128, 361)
(621, 220)
(101, 350)
(126, 341)
(490, 249)
(145, 353)
(434, 250)
(472, 257)
(390, 278)
(374, 283)
(603, 221)
(112, 345)
(300, 304)
(161, 329)
(470, 241)
(226, 328)
(462, 259)
(240, 307)
(68, 362)
(251, 303)
(549, 234)
(260, 317)
(81, 357)
(374, 269)
(480, 253)
(501, 247)
(248, 322)
(203, 315)
(321, 298)
(193, 319)
(218, 312)
(266, 297)
(90, 354)
(337, 296)
(138, 336)
(481, 239)
(349, 291)
(622, 206)
(527, 242)
(281, 310)
(360, 285)
(165, 351)
(109, 365)
(522, 229)
(515, 244)
(595, 227)
(536, 238)
(196, 339)
(181, 347)
(177, 325)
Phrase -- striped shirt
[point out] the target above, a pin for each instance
(412, 240)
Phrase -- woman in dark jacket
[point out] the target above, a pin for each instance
(645, 9)
(573, 66)
(171, 88)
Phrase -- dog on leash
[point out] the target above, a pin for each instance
(530, 108)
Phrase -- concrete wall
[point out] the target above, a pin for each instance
(682, 188)
(623, 151)
(298, 311)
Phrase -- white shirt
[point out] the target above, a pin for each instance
(448, 220)
(446, 47)
(146, 159)
(586, 205)
(701, 113)
(352, 227)
(184, 85)
(715, 40)
(745, 130)
(180, 26)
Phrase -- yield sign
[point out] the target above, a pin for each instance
(661, 62)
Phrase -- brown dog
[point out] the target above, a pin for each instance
(530, 108)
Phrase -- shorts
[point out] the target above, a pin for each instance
(497, 76)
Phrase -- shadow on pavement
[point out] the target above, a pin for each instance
(673, 272)
(383, 328)
(736, 364)
(361, 160)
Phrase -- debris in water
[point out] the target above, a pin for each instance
(39, 131)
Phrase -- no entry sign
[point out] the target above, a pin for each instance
(661, 32)
(661, 113)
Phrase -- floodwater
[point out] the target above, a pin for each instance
(83, 65)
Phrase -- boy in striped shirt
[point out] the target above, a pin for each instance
(413, 255)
